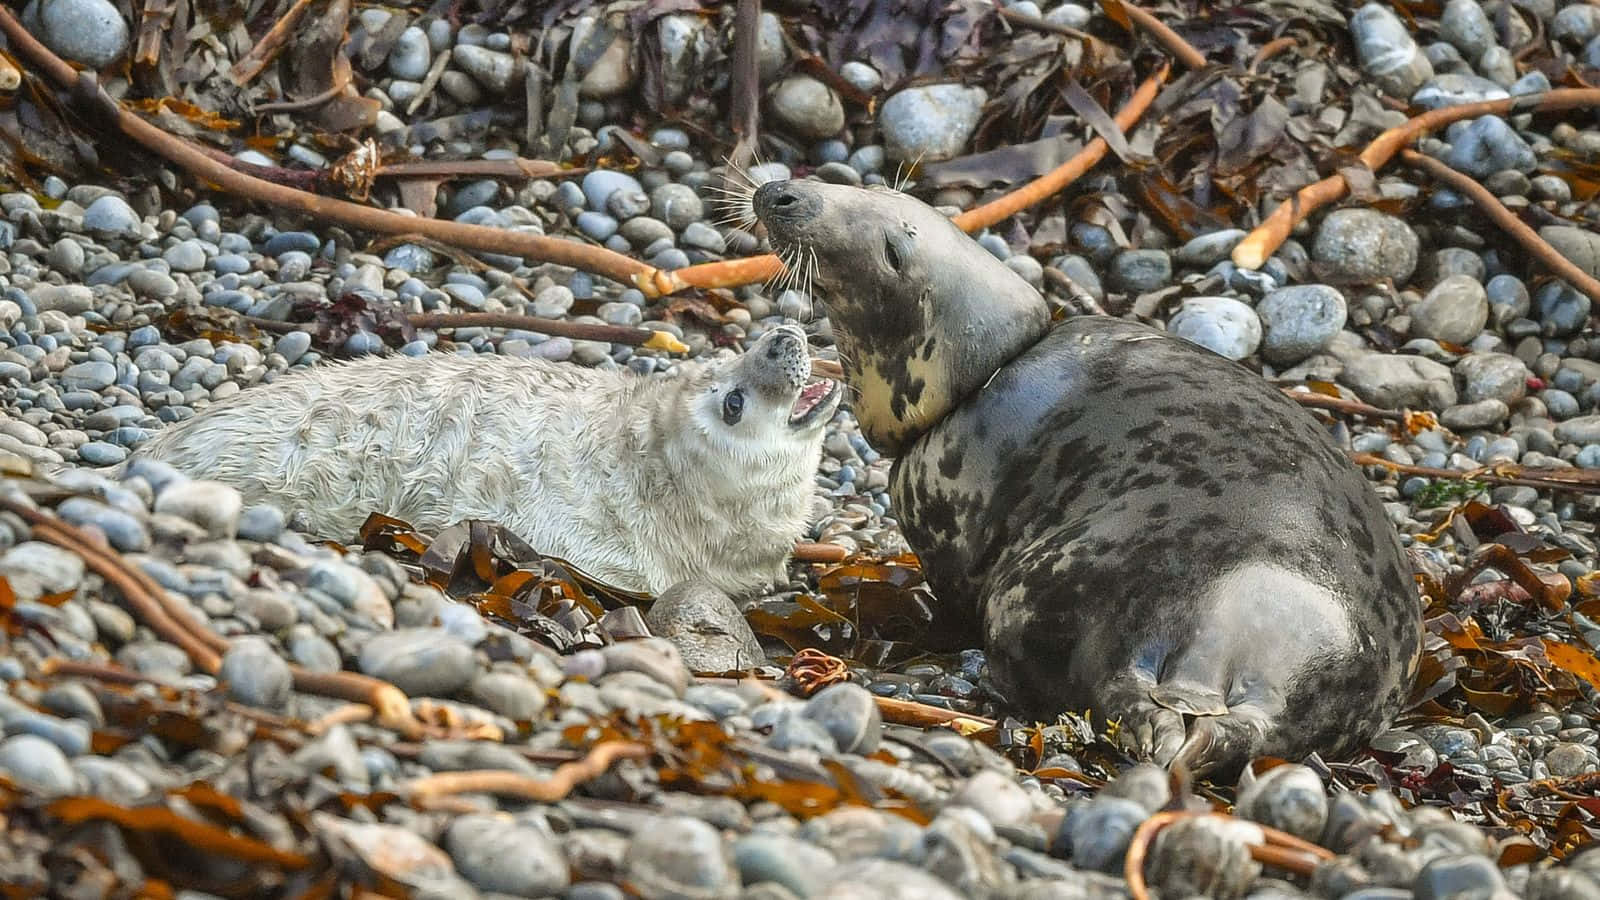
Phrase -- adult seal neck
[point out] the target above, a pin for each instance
(927, 294)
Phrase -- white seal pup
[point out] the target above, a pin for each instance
(641, 482)
(1137, 525)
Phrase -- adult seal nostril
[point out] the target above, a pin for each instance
(1137, 525)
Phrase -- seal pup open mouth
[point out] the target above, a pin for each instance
(1135, 524)
(641, 482)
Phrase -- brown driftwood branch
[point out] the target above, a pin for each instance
(203, 646)
(810, 552)
(1170, 41)
(504, 783)
(1341, 405)
(1507, 221)
(197, 163)
(1585, 481)
(270, 45)
(1259, 245)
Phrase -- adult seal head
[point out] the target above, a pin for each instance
(1138, 525)
(641, 482)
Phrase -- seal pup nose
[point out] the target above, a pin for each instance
(781, 199)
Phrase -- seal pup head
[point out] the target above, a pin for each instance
(924, 316)
(761, 406)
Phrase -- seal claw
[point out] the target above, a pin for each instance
(1189, 698)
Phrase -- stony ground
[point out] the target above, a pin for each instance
(110, 303)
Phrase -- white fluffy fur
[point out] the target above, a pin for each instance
(637, 481)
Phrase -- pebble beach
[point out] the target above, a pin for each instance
(125, 306)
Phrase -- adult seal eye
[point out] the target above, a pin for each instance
(891, 254)
(733, 407)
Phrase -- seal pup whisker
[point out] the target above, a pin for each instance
(1132, 523)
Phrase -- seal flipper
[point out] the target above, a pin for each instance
(1189, 698)
(1222, 743)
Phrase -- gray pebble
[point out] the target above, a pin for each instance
(1222, 325)
(506, 857)
(420, 661)
(255, 674)
(930, 122)
(34, 764)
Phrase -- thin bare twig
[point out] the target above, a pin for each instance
(1170, 41)
(809, 552)
(1259, 245)
(503, 783)
(271, 43)
(1507, 221)
(1586, 481)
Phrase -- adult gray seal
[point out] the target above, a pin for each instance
(1139, 526)
(641, 482)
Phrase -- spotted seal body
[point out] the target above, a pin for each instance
(1136, 525)
(639, 481)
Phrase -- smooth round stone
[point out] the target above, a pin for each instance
(850, 716)
(797, 865)
(596, 226)
(1140, 271)
(261, 522)
(1488, 145)
(91, 32)
(807, 107)
(292, 346)
(293, 265)
(1464, 24)
(312, 651)
(599, 185)
(185, 256)
(111, 215)
(1222, 325)
(505, 857)
(677, 205)
(1363, 245)
(1579, 245)
(67, 256)
(626, 204)
(1498, 376)
(255, 674)
(620, 314)
(1299, 321)
(155, 658)
(679, 857)
(99, 453)
(37, 765)
(1387, 52)
(409, 258)
(469, 295)
(212, 505)
(411, 56)
(511, 695)
(111, 779)
(553, 302)
(930, 122)
(1459, 878)
(1561, 309)
(1576, 24)
(152, 283)
(89, 376)
(284, 242)
(1455, 310)
(1101, 831)
(1209, 249)
(229, 264)
(420, 661)
(703, 237)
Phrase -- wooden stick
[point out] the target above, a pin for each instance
(1056, 180)
(1259, 245)
(1170, 41)
(271, 43)
(809, 552)
(1508, 222)
(478, 238)
(501, 782)
(1582, 480)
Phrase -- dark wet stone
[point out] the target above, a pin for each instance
(679, 857)
(849, 714)
(420, 661)
(255, 674)
(795, 864)
(1459, 878)
(497, 855)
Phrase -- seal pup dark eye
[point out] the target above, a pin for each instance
(733, 406)
(891, 254)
